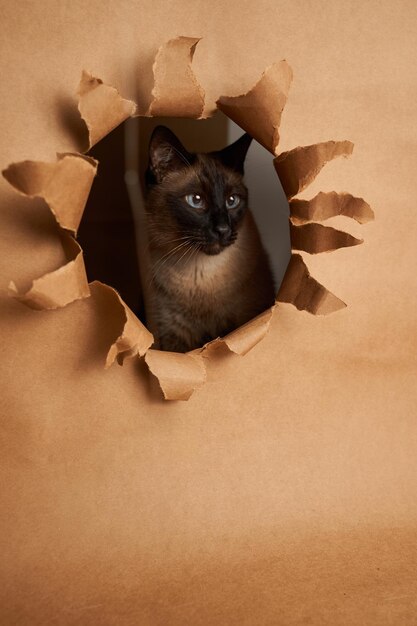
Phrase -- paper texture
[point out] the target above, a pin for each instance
(284, 490)
(179, 375)
(63, 185)
(304, 292)
(259, 111)
(243, 339)
(101, 107)
(315, 238)
(299, 167)
(176, 91)
(326, 205)
(134, 338)
(60, 287)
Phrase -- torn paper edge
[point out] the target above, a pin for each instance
(134, 338)
(298, 168)
(305, 292)
(298, 287)
(249, 111)
(59, 288)
(316, 238)
(178, 374)
(326, 205)
(167, 98)
(53, 182)
(241, 340)
(101, 119)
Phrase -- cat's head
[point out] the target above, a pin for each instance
(195, 198)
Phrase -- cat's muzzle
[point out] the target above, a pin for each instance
(218, 244)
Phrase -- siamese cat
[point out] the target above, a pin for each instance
(209, 271)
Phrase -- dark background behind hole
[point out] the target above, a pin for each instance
(109, 227)
(107, 230)
(106, 233)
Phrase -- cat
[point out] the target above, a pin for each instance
(209, 273)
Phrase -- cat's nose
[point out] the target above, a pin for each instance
(223, 230)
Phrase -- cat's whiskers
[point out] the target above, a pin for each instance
(155, 268)
(195, 249)
(156, 240)
(172, 251)
(165, 258)
(190, 247)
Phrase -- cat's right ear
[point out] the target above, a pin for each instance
(166, 154)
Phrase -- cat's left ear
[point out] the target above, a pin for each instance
(234, 156)
(166, 154)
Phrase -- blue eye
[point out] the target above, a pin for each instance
(195, 200)
(232, 201)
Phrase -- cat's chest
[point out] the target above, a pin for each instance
(205, 279)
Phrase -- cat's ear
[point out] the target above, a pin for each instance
(233, 156)
(166, 154)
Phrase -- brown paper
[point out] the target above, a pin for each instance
(63, 185)
(134, 338)
(58, 288)
(326, 205)
(299, 167)
(259, 111)
(176, 91)
(284, 491)
(304, 292)
(244, 338)
(101, 107)
(179, 375)
(315, 238)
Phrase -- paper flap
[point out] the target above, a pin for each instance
(326, 205)
(259, 111)
(179, 375)
(56, 289)
(315, 238)
(101, 107)
(64, 185)
(176, 91)
(134, 338)
(298, 168)
(244, 338)
(304, 292)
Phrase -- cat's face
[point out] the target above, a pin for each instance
(197, 200)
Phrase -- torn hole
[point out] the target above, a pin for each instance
(258, 112)
(113, 230)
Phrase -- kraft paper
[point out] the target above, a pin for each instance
(259, 111)
(65, 185)
(283, 492)
(60, 287)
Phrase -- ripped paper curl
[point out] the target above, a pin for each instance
(259, 111)
(244, 338)
(327, 205)
(304, 292)
(298, 168)
(101, 107)
(56, 289)
(176, 91)
(64, 185)
(134, 338)
(316, 238)
(179, 375)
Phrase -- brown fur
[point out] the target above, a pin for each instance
(198, 296)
